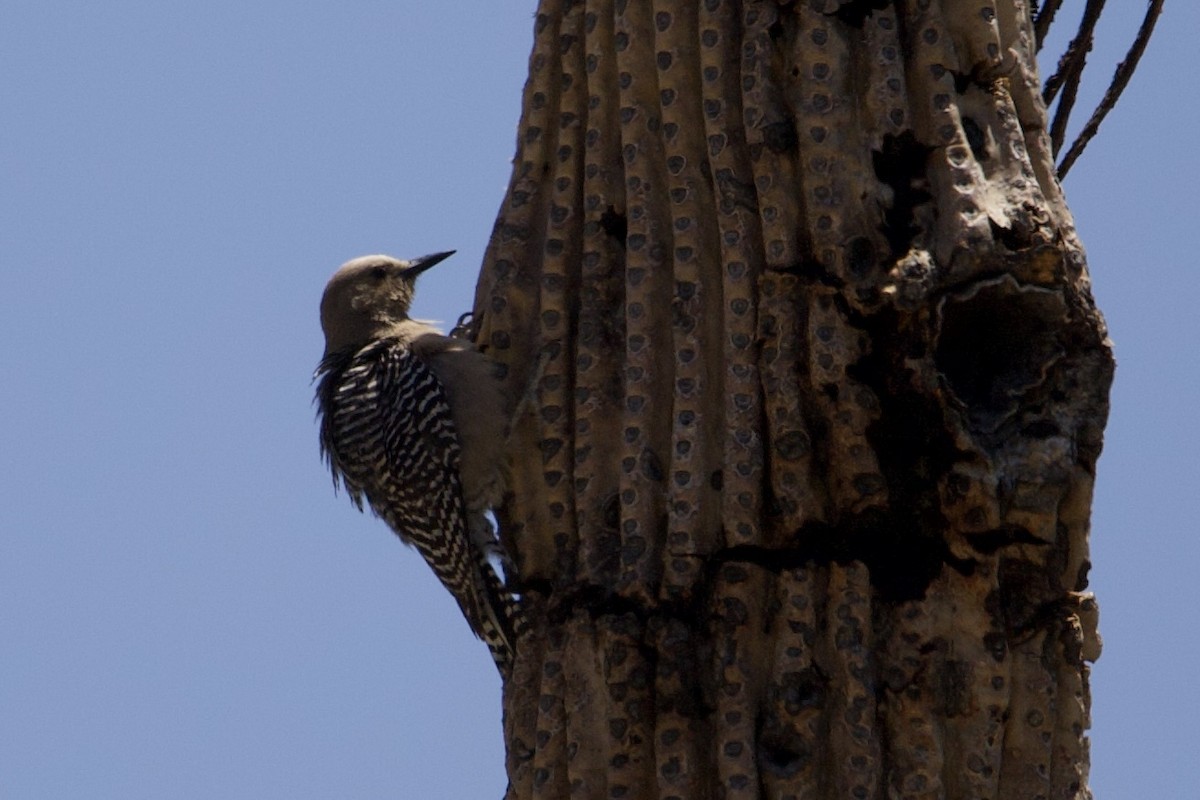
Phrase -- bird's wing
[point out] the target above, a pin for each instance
(419, 493)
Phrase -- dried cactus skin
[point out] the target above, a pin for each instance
(800, 500)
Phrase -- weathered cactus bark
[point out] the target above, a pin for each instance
(817, 388)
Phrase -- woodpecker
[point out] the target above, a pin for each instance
(414, 423)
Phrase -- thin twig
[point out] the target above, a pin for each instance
(1043, 21)
(1076, 51)
(1120, 80)
(1070, 73)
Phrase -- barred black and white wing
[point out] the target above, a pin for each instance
(389, 437)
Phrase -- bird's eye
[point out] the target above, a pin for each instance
(378, 273)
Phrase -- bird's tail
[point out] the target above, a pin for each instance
(500, 622)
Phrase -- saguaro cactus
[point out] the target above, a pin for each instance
(817, 386)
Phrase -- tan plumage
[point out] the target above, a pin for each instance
(414, 422)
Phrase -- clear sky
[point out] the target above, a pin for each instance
(186, 609)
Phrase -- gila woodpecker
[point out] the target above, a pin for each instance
(414, 422)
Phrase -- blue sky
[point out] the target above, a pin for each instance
(186, 609)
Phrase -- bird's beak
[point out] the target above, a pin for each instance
(418, 265)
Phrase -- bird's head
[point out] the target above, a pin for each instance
(367, 294)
